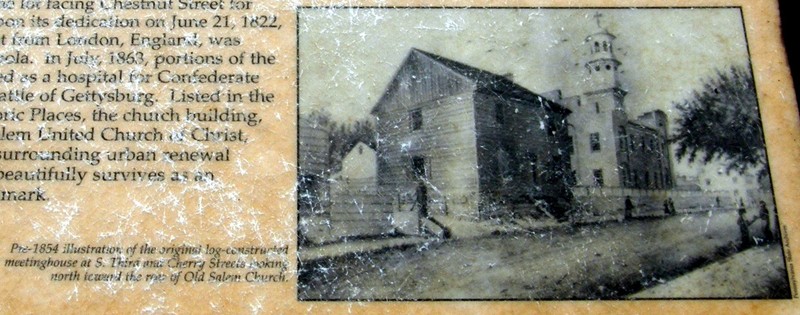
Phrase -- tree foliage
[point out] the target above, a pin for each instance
(720, 121)
(343, 136)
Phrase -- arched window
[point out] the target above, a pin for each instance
(605, 46)
(503, 163)
(594, 141)
(625, 173)
(623, 137)
(596, 47)
(598, 177)
(642, 144)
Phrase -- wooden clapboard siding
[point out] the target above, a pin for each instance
(446, 141)
(452, 150)
(460, 136)
(420, 80)
(525, 130)
(315, 143)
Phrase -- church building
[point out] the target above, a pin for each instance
(458, 142)
(611, 149)
(476, 142)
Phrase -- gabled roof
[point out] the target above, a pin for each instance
(482, 77)
(483, 80)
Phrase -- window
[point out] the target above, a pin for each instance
(644, 145)
(598, 177)
(503, 162)
(533, 168)
(657, 179)
(597, 107)
(415, 116)
(551, 125)
(624, 170)
(594, 141)
(499, 115)
(623, 138)
(418, 167)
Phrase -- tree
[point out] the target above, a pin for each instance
(342, 136)
(721, 122)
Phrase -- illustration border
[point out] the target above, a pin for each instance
(781, 233)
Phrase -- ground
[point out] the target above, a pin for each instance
(600, 261)
(753, 272)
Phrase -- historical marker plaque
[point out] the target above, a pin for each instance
(251, 156)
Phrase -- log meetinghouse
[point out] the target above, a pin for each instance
(476, 141)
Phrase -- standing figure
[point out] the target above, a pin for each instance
(628, 207)
(763, 214)
(744, 227)
(671, 206)
(666, 208)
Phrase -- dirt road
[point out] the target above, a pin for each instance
(606, 261)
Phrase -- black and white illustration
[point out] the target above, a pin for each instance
(531, 154)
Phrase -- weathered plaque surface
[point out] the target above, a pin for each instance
(243, 156)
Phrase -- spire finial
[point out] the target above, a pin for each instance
(597, 16)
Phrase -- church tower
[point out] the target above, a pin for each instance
(602, 66)
(599, 117)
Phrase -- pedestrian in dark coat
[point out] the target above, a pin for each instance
(628, 207)
(671, 206)
(744, 227)
(763, 214)
(666, 208)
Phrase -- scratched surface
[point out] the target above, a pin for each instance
(562, 142)
(388, 155)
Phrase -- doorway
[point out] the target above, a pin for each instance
(420, 175)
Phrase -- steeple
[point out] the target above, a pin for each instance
(602, 66)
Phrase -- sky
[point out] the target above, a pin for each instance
(348, 55)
